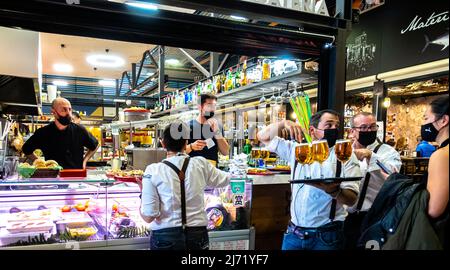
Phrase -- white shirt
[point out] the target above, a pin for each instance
(310, 206)
(161, 197)
(387, 155)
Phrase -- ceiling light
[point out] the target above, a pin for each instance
(107, 83)
(104, 60)
(142, 5)
(149, 74)
(386, 102)
(63, 67)
(173, 62)
(238, 18)
(60, 83)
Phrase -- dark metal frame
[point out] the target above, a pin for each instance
(300, 34)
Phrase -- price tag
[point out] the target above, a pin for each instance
(237, 187)
(238, 191)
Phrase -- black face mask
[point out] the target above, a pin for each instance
(64, 120)
(209, 115)
(428, 132)
(367, 137)
(331, 136)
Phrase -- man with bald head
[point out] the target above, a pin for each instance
(62, 140)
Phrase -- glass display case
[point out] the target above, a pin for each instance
(104, 214)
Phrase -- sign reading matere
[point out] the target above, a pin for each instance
(311, 6)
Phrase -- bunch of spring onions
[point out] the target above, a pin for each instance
(302, 108)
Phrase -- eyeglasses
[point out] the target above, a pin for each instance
(367, 128)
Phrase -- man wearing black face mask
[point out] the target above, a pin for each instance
(368, 149)
(206, 136)
(317, 210)
(62, 140)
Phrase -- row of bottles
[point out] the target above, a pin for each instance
(220, 83)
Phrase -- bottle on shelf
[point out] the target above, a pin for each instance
(222, 82)
(244, 74)
(237, 77)
(247, 147)
(258, 72)
(266, 74)
(229, 80)
(216, 84)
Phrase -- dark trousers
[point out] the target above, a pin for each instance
(352, 229)
(327, 237)
(193, 238)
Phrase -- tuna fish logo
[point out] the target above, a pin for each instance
(441, 41)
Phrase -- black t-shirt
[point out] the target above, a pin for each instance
(64, 146)
(203, 132)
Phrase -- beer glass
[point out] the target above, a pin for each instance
(303, 154)
(264, 155)
(320, 152)
(343, 150)
(255, 154)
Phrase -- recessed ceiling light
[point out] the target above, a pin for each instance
(238, 18)
(60, 83)
(105, 60)
(107, 83)
(142, 5)
(173, 62)
(63, 67)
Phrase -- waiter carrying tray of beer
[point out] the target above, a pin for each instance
(317, 209)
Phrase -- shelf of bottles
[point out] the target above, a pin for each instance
(234, 84)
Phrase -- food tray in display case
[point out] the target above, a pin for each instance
(103, 216)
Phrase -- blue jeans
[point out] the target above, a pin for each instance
(327, 237)
(194, 238)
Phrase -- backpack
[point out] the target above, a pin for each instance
(387, 210)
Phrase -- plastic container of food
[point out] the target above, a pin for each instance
(73, 220)
(73, 173)
(83, 232)
(45, 173)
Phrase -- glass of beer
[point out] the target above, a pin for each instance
(320, 152)
(343, 150)
(303, 154)
(255, 155)
(264, 155)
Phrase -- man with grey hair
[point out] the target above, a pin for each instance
(369, 150)
(62, 140)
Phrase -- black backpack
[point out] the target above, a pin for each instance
(387, 210)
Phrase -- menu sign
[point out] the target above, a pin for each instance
(310, 6)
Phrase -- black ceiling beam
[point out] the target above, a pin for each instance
(307, 21)
(102, 19)
(109, 98)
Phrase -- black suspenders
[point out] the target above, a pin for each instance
(181, 174)
(334, 201)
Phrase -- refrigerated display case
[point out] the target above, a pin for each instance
(104, 214)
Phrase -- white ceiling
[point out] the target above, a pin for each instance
(78, 48)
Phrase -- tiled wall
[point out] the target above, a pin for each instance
(408, 118)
